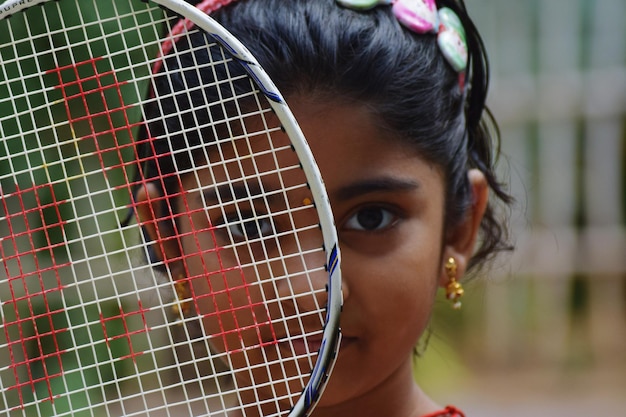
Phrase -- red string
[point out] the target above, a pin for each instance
(129, 332)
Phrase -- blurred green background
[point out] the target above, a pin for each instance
(64, 340)
(543, 332)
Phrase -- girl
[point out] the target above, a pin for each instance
(391, 99)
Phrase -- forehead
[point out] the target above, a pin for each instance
(348, 144)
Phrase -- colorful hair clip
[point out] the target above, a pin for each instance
(451, 39)
(422, 16)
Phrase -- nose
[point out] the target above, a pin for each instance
(302, 291)
(345, 288)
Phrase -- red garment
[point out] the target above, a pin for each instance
(449, 411)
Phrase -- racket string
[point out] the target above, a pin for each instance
(86, 307)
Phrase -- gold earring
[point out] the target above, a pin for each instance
(454, 290)
(181, 307)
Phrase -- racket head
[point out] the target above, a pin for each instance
(229, 272)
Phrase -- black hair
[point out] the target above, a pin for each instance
(319, 47)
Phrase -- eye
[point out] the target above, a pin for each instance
(370, 219)
(249, 226)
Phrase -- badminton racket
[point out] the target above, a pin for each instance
(166, 241)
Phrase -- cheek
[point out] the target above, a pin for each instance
(242, 297)
(409, 287)
(402, 280)
(219, 287)
(399, 284)
(227, 297)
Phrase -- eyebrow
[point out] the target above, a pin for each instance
(376, 185)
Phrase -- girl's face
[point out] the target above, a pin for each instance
(388, 205)
(252, 252)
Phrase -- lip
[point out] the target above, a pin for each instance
(301, 345)
(308, 345)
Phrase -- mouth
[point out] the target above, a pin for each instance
(301, 345)
(307, 345)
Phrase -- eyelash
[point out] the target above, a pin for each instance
(260, 225)
(389, 218)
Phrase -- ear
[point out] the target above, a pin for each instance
(460, 240)
(158, 227)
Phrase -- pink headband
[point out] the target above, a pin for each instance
(207, 6)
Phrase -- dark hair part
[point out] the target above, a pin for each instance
(318, 47)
